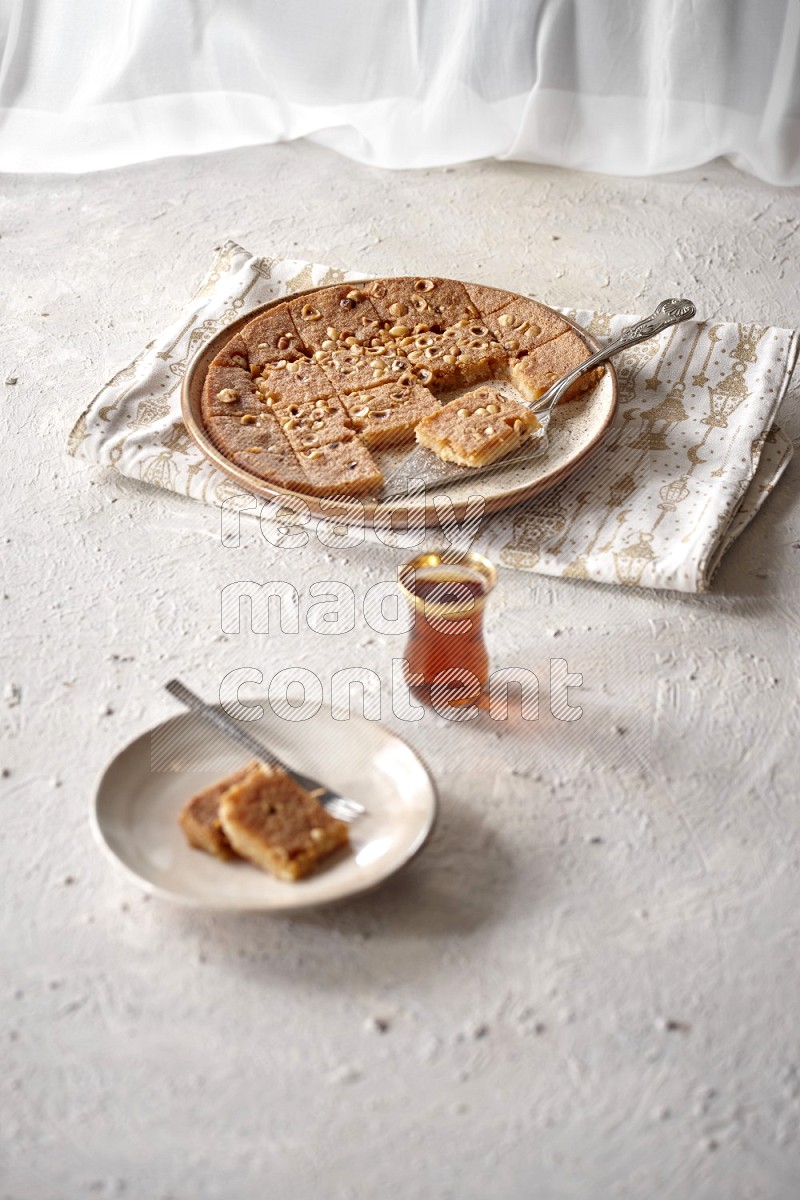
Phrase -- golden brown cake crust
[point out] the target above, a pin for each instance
(269, 820)
(331, 315)
(343, 468)
(388, 415)
(258, 444)
(522, 325)
(199, 817)
(534, 374)
(272, 337)
(311, 362)
(477, 428)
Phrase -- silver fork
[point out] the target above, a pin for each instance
(668, 312)
(421, 468)
(339, 806)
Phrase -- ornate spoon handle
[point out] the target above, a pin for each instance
(669, 312)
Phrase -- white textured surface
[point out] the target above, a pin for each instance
(587, 984)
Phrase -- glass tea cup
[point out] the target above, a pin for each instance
(446, 661)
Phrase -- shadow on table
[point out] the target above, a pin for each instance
(764, 551)
(460, 883)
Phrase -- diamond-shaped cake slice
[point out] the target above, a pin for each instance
(271, 821)
(331, 315)
(471, 354)
(308, 425)
(522, 325)
(355, 369)
(408, 301)
(387, 415)
(487, 299)
(257, 443)
(199, 817)
(343, 468)
(271, 337)
(233, 354)
(228, 391)
(476, 429)
(536, 373)
(299, 381)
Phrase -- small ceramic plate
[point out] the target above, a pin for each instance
(141, 793)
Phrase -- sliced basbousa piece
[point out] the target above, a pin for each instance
(228, 390)
(387, 415)
(275, 824)
(407, 301)
(344, 468)
(199, 817)
(349, 370)
(356, 369)
(522, 325)
(471, 354)
(476, 429)
(307, 426)
(257, 443)
(331, 315)
(271, 337)
(487, 299)
(233, 354)
(536, 373)
(298, 380)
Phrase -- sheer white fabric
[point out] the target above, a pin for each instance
(621, 86)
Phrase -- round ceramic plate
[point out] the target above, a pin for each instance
(141, 793)
(575, 430)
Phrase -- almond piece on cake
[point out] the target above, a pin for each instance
(271, 821)
(476, 429)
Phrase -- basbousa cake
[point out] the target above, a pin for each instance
(308, 388)
(260, 814)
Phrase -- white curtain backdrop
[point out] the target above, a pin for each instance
(627, 87)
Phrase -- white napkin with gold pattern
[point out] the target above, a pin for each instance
(688, 461)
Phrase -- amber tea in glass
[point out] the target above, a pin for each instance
(446, 658)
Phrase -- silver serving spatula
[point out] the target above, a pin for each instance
(422, 469)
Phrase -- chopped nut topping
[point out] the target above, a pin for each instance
(227, 396)
(248, 419)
